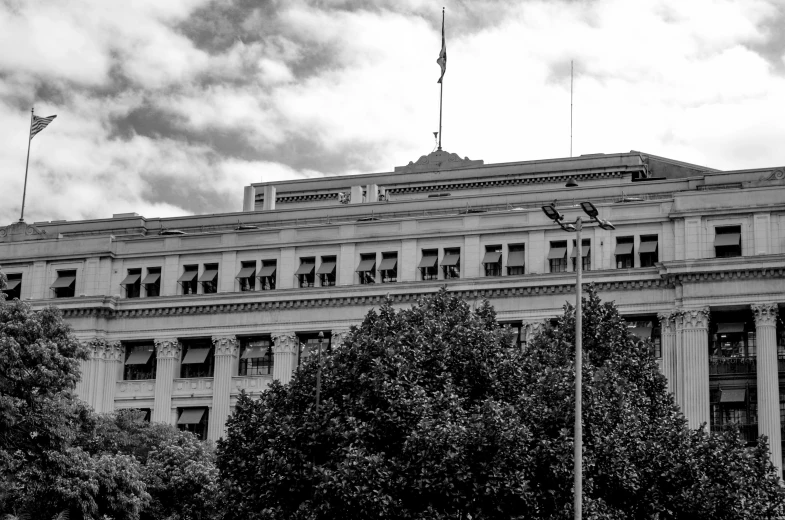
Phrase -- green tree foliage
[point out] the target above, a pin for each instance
(431, 412)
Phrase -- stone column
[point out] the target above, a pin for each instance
(113, 360)
(95, 385)
(285, 352)
(167, 359)
(694, 369)
(668, 345)
(226, 349)
(768, 379)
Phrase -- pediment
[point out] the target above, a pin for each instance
(438, 160)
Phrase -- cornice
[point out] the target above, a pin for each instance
(713, 269)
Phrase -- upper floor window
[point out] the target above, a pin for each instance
(516, 259)
(305, 273)
(152, 282)
(367, 268)
(557, 256)
(247, 276)
(209, 279)
(139, 362)
(624, 252)
(256, 357)
(451, 263)
(389, 267)
(727, 241)
(13, 288)
(198, 359)
(585, 254)
(648, 250)
(65, 285)
(428, 268)
(193, 420)
(132, 283)
(267, 275)
(493, 260)
(326, 271)
(188, 279)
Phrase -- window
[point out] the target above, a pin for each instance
(451, 263)
(193, 420)
(732, 340)
(516, 327)
(65, 285)
(624, 252)
(516, 258)
(152, 282)
(209, 279)
(367, 268)
(13, 289)
(727, 241)
(493, 260)
(139, 362)
(188, 279)
(735, 407)
(197, 359)
(132, 283)
(267, 275)
(247, 276)
(326, 271)
(645, 330)
(309, 345)
(389, 267)
(256, 357)
(428, 268)
(557, 256)
(585, 254)
(648, 250)
(305, 273)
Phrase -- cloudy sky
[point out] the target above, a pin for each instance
(170, 107)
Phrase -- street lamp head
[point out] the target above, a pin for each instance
(604, 224)
(321, 336)
(567, 227)
(552, 214)
(589, 209)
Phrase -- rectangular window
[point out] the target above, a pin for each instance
(305, 273)
(65, 285)
(585, 253)
(188, 279)
(309, 345)
(152, 282)
(13, 289)
(193, 420)
(451, 263)
(648, 250)
(727, 241)
(366, 270)
(247, 276)
(557, 256)
(256, 357)
(267, 275)
(139, 361)
(132, 283)
(209, 279)
(624, 252)
(516, 259)
(389, 267)
(197, 358)
(493, 260)
(428, 267)
(326, 271)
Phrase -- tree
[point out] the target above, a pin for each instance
(431, 412)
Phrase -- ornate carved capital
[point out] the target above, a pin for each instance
(765, 314)
(100, 348)
(693, 318)
(338, 337)
(225, 345)
(668, 321)
(285, 343)
(168, 348)
(114, 351)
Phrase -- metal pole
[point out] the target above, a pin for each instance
(441, 90)
(578, 456)
(27, 163)
(319, 372)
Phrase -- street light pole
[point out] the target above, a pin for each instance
(319, 373)
(578, 453)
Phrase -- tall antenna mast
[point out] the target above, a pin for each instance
(571, 108)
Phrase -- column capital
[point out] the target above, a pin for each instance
(765, 314)
(225, 345)
(338, 337)
(100, 348)
(693, 318)
(668, 321)
(285, 343)
(167, 348)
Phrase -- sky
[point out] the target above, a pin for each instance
(169, 108)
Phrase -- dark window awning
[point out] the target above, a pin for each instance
(12, 284)
(326, 268)
(737, 395)
(388, 263)
(191, 416)
(63, 281)
(428, 261)
(368, 264)
(209, 275)
(648, 247)
(246, 272)
(450, 260)
(515, 259)
(254, 352)
(267, 270)
(492, 257)
(557, 253)
(305, 269)
(195, 356)
(641, 332)
(727, 239)
(140, 357)
(623, 249)
(585, 250)
(187, 276)
(151, 278)
(131, 279)
(730, 327)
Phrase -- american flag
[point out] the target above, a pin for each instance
(442, 61)
(39, 123)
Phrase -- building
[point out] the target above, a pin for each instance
(183, 313)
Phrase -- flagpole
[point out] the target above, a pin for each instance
(441, 92)
(27, 164)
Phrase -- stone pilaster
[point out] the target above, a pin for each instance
(226, 349)
(167, 358)
(93, 386)
(285, 351)
(768, 379)
(668, 345)
(693, 327)
(113, 359)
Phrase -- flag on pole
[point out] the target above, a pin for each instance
(442, 61)
(39, 123)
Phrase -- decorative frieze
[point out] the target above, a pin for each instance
(226, 345)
